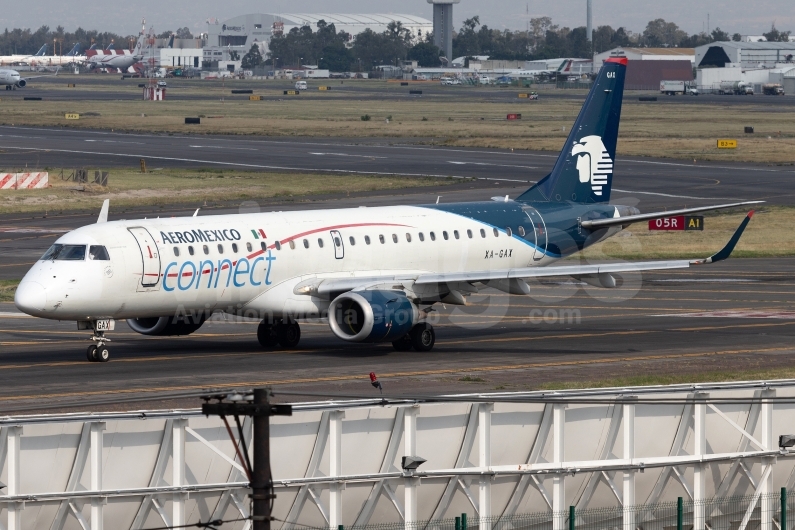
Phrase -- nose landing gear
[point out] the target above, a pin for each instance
(98, 352)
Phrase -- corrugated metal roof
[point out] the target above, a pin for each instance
(661, 51)
(754, 45)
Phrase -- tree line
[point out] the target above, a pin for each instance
(25, 41)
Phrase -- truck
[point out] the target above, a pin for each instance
(773, 89)
(673, 88)
(740, 88)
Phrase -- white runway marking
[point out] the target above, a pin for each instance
(781, 315)
(346, 154)
(236, 164)
(459, 163)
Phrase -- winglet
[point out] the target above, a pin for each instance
(726, 251)
(196, 212)
(103, 213)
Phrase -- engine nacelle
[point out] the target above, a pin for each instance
(166, 326)
(372, 316)
(22, 83)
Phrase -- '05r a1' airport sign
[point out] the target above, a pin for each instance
(678, 222)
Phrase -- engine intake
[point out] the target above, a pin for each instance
(372, 316)
(166, 326)
(22, 83)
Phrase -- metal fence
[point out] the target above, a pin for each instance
(753, 512)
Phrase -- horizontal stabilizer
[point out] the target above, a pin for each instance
(629, 219)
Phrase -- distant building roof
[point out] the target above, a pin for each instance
(746, 54)
(647, 54)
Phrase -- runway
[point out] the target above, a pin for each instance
(648, 177)
(736, 315)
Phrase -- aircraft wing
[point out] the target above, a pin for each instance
(330, 287)
(629, 219)
(45, 75)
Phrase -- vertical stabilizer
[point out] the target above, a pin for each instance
(584, 170)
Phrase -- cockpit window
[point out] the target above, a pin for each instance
(100, 253)
(65, 252)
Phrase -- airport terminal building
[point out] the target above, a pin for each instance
(239, 33)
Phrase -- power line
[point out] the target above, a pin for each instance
(209, 524)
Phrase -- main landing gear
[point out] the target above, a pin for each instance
(98, 352)
(284, 333)
(422, 337)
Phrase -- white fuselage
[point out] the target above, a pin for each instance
(251, 263)
(9, 77)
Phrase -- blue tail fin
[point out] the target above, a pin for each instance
(584, 170)
(42, 51)
(74, 51)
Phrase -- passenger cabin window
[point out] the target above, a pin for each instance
(306, 243)
(99, 253)
(263, 245)
(381, 239)
(421, 236)
(408, 237)
(433, 236)
(249, 248)
(352, 240)
(190, 250)
(469, 233)
(176, 251)
(496, 233)
(292, 245)
(394, 238)
(337, 242)
(455, 234)
(220, 249)
(320, 242)
(278, 245)
(521, 230)
(65, 252)
(483, 233)
(508, 231)
(205, 249)
(234, 248)
(366, 240)
(444, 235)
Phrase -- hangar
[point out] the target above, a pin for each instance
(745, 54)
(648, 66)
(239, 33)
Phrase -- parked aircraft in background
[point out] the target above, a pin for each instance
(375, 272)
(16, 59)
(120, 60)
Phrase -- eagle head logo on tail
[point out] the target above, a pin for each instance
(593, 162)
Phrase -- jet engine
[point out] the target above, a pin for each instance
(372, 316)
(22, 83)
(166, 326)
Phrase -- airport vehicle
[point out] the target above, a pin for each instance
(673, 88)
(12, 79)
(772, 89)
(375, 272)
(300, 85)
(740, 88)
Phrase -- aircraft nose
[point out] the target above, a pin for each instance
(30, 298)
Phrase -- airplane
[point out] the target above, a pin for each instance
(71, 57)
(12, 79)
(17, 58)
(118, 59)
(376, 272)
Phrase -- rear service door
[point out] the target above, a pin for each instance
(339, 245)
(149, 255)
(540, 230)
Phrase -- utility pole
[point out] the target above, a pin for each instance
(257, 405)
